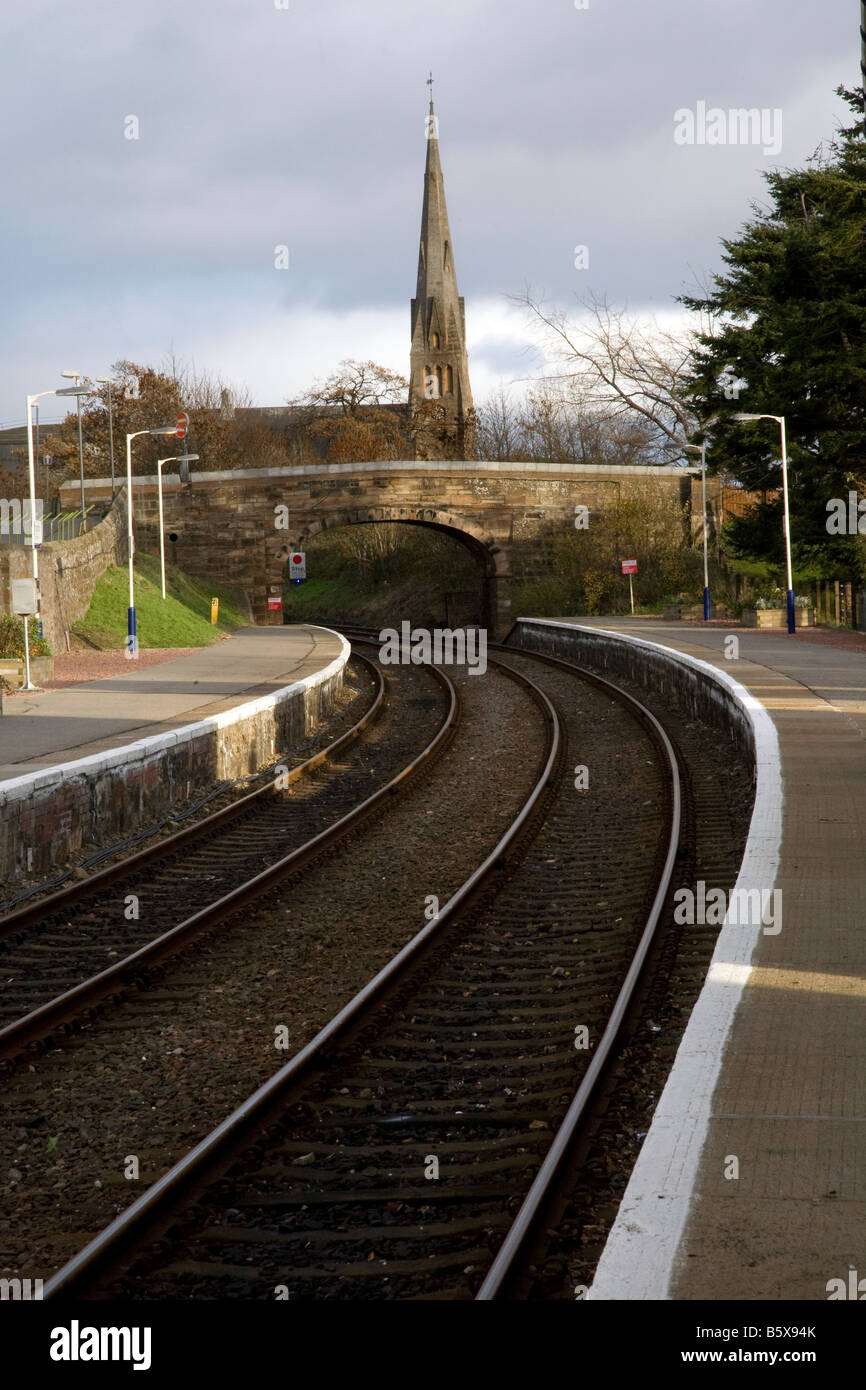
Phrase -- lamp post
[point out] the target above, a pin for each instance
(83, 387)
(178, 458)
(702, 450)
(106, 381)
(131, 634)
(31, 480)
(780, 421)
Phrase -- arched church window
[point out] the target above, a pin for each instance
(438, 381)
(434, 339)
(445, 256)
(449, 380)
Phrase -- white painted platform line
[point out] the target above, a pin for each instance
(143, 749)
(638, 1260)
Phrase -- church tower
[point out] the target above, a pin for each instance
(440, 398)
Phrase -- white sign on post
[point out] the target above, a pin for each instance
(298, 565)
(24, 597)
(629, 567)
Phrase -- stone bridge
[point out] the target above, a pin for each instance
(229, 527)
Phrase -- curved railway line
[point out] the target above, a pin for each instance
(410, 1149)
(65, 954)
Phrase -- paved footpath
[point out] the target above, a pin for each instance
(788, 1099)
(58, 726)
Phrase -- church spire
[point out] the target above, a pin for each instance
(440, 398)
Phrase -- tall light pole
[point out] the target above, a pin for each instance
(79, 390)
(106, 381)
(31, 479)
(702, 450)
(178, 458)
(36, 466)
(131, 634)
(780, 421)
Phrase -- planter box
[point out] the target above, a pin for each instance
(776, 617)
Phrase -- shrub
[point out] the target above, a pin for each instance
(543, 598)
(12, 638)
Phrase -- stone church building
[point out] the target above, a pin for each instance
(441, 414)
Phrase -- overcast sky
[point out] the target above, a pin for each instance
(303, 126)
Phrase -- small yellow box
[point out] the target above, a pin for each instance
(214, 610)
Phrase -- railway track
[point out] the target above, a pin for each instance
(408, 1150)
(63, 955)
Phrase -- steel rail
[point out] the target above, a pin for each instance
(123, 973)
(524, 1224)
(195, 1169)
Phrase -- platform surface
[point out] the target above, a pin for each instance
(42, 730)
(790, 1099)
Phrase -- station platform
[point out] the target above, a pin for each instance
(772, 1068)
(41, 731)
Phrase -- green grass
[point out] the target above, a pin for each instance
(182, 619)
(317, 596)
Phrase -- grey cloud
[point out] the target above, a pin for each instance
(305, 126)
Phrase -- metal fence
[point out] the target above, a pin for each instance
(62, 526)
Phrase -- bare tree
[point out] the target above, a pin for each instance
(498, 427)
(357, 413)
(353, 385)
(557, 420)
(628, 369)
(202, 390)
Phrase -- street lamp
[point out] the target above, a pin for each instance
(131, 635)
(702, 450)
(36, 469)
(79, 390)
(178, 458)
(106, 381)
(780, 420)
(31, 478)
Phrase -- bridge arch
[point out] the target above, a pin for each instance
(487, 555)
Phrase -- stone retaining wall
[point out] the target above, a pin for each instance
(68, 571)
(685, 684)
(47, 817)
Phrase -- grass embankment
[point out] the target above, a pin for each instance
(181, 619)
